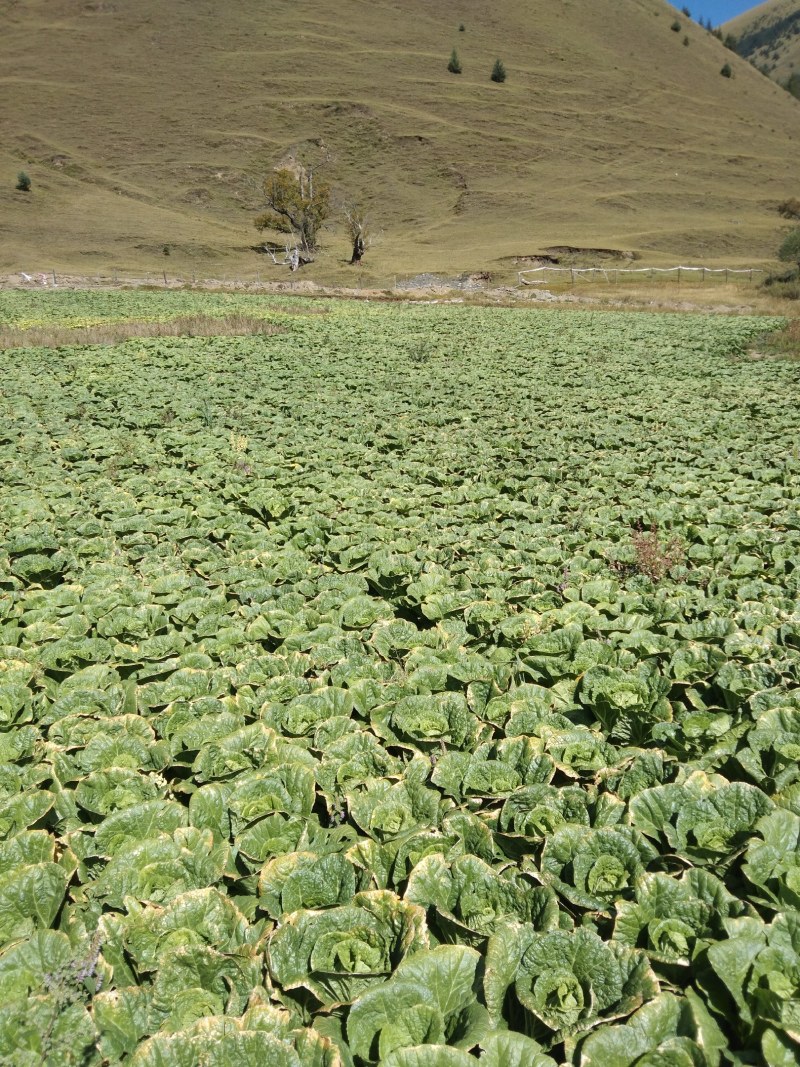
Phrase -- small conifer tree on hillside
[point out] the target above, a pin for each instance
(23, 182)
(498, 71)
(454, 66)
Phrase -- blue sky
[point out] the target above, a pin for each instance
(716, 10)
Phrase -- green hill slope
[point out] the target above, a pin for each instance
(769, 36)
(150, 124)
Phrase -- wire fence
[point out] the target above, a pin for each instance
(358, 282)
(267, 281)
(133, 278)
(615, 274)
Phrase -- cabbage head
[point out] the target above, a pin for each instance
(566, 981)
(338, 953)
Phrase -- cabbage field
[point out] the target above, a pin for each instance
(415, 685)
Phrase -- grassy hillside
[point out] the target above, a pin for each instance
(769, 36)
(149, 125)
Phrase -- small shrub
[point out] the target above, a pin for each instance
(784, 277)
(676, 26)
(461, 27)
(686, 42)
(498, 71)
(727, 71)
(165, 250)
(23, 182)
(421, 352)
(788, 290)
(454, 66)
(730, 42)
(654, 557)
(790, 209)
(789, 251)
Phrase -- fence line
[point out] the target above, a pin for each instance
(650, 271)
(266, 282)
(257, 281)
(121, 276)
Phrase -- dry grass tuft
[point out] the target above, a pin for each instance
(781, 344)
(656, 558)
(112, 333)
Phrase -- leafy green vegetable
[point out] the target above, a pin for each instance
(565, 980)
(594, 867)
(354, 707)
(470, 898)
(667, 1030)
(339, 952)
(430, 1000)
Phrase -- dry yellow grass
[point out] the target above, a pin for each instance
(150, 124)
(781, 344)
(112, 333)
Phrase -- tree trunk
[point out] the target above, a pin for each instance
(358, 250)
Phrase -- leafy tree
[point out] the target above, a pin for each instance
(454, 66)
(23, 182)
(498, 71)
(789, 252)
(727, 71)
(297, 203)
